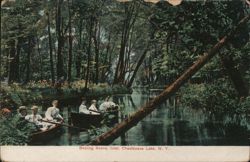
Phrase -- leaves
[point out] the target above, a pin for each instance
(15, 131)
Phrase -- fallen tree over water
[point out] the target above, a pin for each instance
(145, 110)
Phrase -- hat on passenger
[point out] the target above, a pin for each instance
(34, 108)
(21, 108)
(93, 101)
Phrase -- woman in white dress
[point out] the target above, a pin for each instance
(92, 109)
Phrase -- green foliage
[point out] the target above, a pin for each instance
(15, 131)
(244, 106)
(218, 97)
(186, 31)
(34, 92)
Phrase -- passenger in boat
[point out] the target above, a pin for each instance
(22, 112)
(83, 107)
(5, 112)
(35, 117)
(53, 112)
(107, 104)
(93, 109)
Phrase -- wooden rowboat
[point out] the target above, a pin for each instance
(43, 136)
(87, 121)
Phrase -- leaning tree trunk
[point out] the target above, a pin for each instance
(124, 126)
(137, 67)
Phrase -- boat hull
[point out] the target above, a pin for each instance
(43, 136)
(86, 120)
(93, 120)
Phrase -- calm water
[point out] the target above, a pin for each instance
(167, 125)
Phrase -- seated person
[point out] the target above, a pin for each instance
(35, 118)
(106, 105)
(22, 112)
(83, 107)
(93, 109)
(53, 112)
(5, 112)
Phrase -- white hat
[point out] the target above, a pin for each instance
(34, 107)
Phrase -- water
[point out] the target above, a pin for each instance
(167, 125)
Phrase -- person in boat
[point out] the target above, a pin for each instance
(83, 107)
(107, 104)
(93, 109)
(22, 112)
(53, 113)
(35, 118)
(5, 112)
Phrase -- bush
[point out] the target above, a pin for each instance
(217, 97)
(15, 131)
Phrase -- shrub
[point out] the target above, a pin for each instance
(217, 97)
(14, 131)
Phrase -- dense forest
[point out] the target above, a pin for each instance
(106, 43)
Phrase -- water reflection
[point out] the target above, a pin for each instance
(169, 124)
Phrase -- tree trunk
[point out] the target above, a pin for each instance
(12, 62)
(51, 53)
(124, 126)
(70, 46)
(17, 59)
(235, 75)
(89, 53)
(106, 62)
(28, 60)
(0, 43)
(131, 12)
(78, 60)
(40, 58)
(60, 40)
(137, 67)
(96, 38)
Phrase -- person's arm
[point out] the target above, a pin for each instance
(95, 108)
(58, 115)
(39, 118)
(48, 114)
(27, 117)
(81, 109)
(91, 107)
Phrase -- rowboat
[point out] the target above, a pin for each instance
(83, 120)
(45, 135)
(87, 121)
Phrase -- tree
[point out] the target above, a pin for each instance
(60, 40)
(125, 125)
(70, 45)
(50, 51)
(130, 13)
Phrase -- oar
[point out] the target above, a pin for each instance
(66, 125)
(104, 111)
(95, 111)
